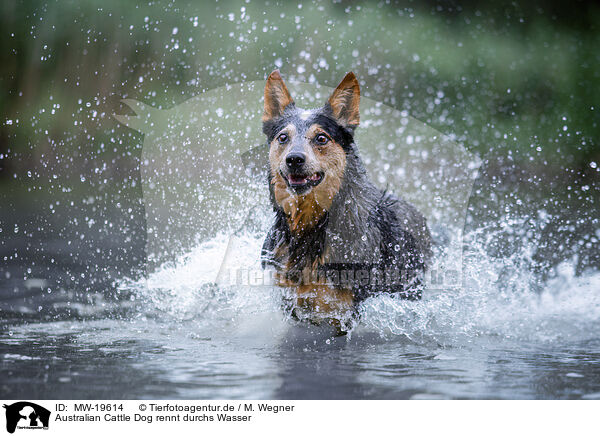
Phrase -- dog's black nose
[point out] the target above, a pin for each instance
(295, 161)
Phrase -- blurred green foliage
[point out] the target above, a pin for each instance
(518, 81)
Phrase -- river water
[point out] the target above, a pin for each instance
(179, 336)
(89, 309)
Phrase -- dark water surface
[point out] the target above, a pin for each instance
(109, 359)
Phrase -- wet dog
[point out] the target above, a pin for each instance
(336, 238)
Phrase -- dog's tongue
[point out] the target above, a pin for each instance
(297, 179)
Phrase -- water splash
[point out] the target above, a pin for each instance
(501, 297)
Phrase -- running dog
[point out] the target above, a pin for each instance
(336, 238)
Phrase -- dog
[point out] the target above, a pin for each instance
(336, 238)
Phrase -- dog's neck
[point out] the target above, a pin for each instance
(315, 235)
(350, 232)
(303, 212)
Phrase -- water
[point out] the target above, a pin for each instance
(117, 295)
(93, 303)
(179, 336)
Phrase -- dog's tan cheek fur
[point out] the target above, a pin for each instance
(305, 211)
(333, 162)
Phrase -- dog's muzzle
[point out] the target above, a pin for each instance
(302, 183)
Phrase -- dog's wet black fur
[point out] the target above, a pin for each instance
(363, 230)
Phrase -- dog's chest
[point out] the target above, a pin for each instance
(307, 282)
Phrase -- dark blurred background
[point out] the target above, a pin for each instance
(517, 83)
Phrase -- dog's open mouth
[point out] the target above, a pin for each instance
(302, 182)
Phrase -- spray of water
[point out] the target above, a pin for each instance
(195, 184)
(500, 297)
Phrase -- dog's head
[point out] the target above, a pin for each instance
(308, 148)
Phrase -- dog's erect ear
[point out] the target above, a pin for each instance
(277, 96)
(345, 100)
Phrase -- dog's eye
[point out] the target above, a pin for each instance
(321, 139)
(283, 138)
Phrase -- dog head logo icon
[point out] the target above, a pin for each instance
(24, 414)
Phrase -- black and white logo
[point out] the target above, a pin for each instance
(26, 415)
